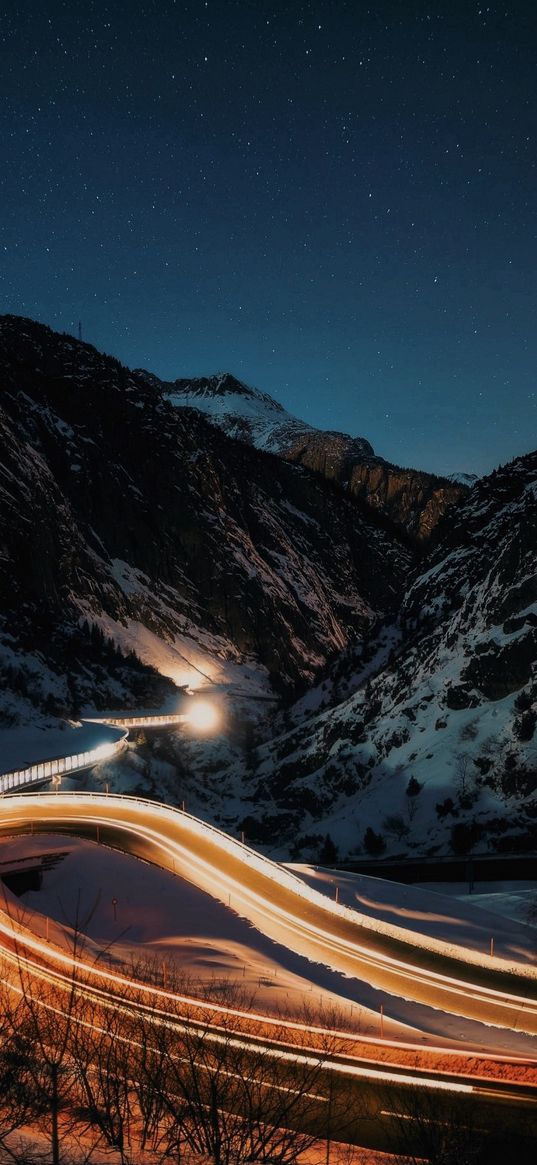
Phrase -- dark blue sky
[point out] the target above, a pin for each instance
(335, 201)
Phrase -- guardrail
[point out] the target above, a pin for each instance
(46, 770)
(137, 721)
(60, 766)
(284, 877)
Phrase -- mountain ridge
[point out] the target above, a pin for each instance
(412, 499)
(141, 542)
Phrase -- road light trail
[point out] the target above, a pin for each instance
(284, 908)
(48, 962)
(500, 1103)
(107, 987)
(278, 903)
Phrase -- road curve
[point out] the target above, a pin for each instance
(288, 911)
(37, 772)
(283, 907)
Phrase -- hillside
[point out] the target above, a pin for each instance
(425, 740)
(144, 548)
(128, 523)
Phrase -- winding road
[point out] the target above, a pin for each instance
(201, 715)
(285, 908)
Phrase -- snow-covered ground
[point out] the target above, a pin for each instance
(514, 900)
(37, 1147)
(130, 910)
(157, 916)
(192, 656)
(466, 920)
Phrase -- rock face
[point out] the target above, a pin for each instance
(412, 500)
(425, 737)
(123, 511)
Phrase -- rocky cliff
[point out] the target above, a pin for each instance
(414, 501)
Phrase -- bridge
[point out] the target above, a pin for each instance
(56, 767)
(201, 716)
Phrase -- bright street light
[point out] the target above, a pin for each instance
(203, 716)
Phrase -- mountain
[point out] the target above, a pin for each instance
(414, 501)
(143, 547)
(129, 522)
(245, 413)
(423, 739)
(468, 479)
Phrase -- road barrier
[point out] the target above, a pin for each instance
(137, 721)
(278, 874)
(46, 770)
(60, 766)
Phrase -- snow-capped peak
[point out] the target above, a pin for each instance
(245, 413)
(468, 479)
(225, 385)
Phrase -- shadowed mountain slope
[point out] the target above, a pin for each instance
(122, 510)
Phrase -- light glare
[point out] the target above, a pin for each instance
(203, 716)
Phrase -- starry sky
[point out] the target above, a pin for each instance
(335, 201)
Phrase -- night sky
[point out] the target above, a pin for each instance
(335, 201)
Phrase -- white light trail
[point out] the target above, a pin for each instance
(317, 927)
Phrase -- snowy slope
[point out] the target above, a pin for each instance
(465, 922)
(468, 479)
(244, 413)
(435, 750)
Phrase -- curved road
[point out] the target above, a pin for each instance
(287, 910)
(37, 772)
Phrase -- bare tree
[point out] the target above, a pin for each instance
(395, 825)
(104, 1061)
(463, 775)
(15, 1100)
(115, 1073)
(40, 1016)
(444, 1129)
(208, 1086)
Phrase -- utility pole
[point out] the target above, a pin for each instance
(80, 329)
